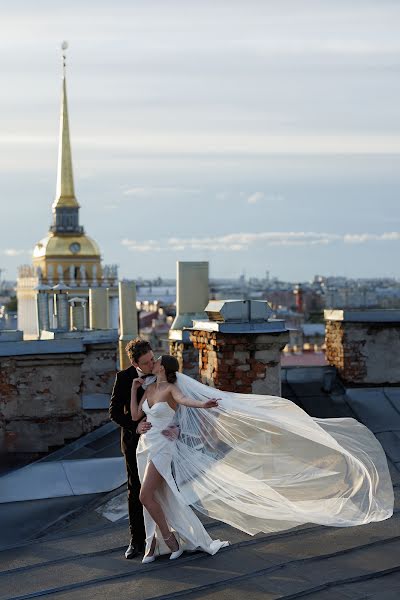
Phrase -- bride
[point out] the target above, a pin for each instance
(258, 463)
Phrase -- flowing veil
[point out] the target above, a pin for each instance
(261, 464)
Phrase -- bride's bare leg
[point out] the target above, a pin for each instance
(152, 481)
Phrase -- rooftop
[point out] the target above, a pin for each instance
(70, 548)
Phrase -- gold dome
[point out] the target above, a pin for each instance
(78, 246)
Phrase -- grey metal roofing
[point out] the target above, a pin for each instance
(72, 548)
(312, 561)
(62, 478)
(321, 394)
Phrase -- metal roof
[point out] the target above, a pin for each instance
(72, 548)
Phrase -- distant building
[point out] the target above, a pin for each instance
(8, 319)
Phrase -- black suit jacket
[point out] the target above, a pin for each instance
(120, 409)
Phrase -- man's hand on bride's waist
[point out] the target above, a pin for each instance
(171, 432)
(143, 426)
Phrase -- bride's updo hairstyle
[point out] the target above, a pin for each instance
(171, 367)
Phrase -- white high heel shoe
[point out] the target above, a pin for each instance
(177, 553)
(152, 557)
(148, 559)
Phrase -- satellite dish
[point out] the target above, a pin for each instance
(64, 45)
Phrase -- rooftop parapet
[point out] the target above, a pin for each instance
(389, 315)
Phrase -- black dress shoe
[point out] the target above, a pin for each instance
(133, 550)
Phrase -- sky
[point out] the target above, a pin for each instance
(257, 135)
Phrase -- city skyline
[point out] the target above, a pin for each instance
(263, 138)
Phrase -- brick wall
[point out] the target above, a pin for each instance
(244, 363)
(188, 357)
(364, 353)
(41, 396)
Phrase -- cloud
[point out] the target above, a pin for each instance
(235, 242)
(142, 246)
(262, 197)
(362, 238)
(14, 252)
(256, 197)
(218, 143)
(145, 193)
(221, 196)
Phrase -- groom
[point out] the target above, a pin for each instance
(142, 362)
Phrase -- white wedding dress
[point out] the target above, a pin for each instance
(154, 447)
(260, 464)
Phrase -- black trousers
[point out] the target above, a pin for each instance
(135, 507)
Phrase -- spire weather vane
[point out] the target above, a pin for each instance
(64, 47)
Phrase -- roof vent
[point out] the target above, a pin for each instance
(238, 311)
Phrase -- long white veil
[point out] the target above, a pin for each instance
(261, 464)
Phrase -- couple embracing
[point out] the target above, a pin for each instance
(258, 463)
(143, 402)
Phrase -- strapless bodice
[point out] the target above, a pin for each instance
(160, 414)
(153, 442)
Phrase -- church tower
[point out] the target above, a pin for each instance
(67, 255)
(67, 260)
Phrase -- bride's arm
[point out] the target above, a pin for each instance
(180, 398)
(136, 408)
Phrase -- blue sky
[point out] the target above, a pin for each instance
(256, 135)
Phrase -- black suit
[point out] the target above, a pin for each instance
(120, 413)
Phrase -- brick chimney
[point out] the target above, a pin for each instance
(239, 347)
(364, 345)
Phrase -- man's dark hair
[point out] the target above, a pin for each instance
(137, 348)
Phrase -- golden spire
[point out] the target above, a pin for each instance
(65, 194)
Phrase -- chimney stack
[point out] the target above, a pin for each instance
(240, 347)
(364, 345)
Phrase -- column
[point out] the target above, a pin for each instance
(61, 307)
(128, 319)
(98, 308)
(77, 313)
(42, 299)
(191, 299)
